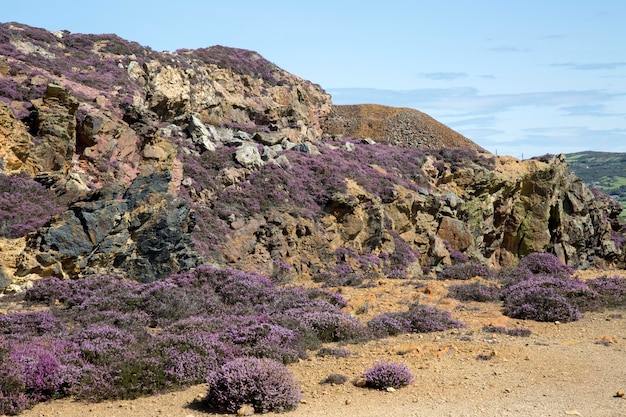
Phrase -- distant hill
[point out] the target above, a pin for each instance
(604, 170)
(395, 126)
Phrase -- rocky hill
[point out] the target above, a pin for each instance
(395, 126)
(120, 159)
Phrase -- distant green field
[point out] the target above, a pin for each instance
(603, 170)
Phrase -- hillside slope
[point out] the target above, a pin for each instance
(154, 163)
(394, 126)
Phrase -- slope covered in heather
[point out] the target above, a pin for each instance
(216, 155)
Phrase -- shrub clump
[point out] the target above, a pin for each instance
(545, 263)
(334, 379)
(547, 298)
(265, 384)
(474, 291)
(418, 319)
(25, 205)
(464, 271)
(385, 375)
(510, 331)
(610, 292)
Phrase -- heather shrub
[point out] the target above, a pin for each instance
(418, 319)
(458, 257)
(30, 324)
(388, 324)
(510, 276)
(610, 292)
(334, 352)
(475, 291)
(385, 375)
(334, 379)
(545, 263)
(515, 331)
(423, 319)
(187, 358)
(464, 271)
(34, 371)
(264, 383)
(399, 260)
(335, 326)
(25, 205)
(131, 339)
(547, 298)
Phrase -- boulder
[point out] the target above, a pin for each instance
(248, 156)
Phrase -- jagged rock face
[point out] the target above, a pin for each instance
(196, 85)
(142, 233)
(160, 141)
(541, 207)
(495, 216)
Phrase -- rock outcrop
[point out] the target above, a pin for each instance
(153, 153)
(142, 232)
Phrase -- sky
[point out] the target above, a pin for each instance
(518, 77)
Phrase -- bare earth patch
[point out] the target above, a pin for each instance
(561, 369)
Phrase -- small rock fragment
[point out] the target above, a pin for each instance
(245, 410)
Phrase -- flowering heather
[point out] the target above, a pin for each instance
(30, 324)
(515, 331)
(385, 375)
(200, 320)
(188, 357)
(418, 319)
(610, 292)
(25, 205)
(545, 263)
(464, 271)
(510, 276)
(475, 291)
(547, 298)
(264, 383)
(241, 61)
(403, 255)
(34, 371)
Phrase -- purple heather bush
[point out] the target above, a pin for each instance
(334, 352)
(610, 292)
(264, 383)
(385, 375)
(30, 324)
(418, 319)
(475, 291)
(510, 276)
(515, 331)
(34, 371)
(458, 257)
(547, 298)
(403, 255)
(25, 205)
(545, 263)
(187, 358)
(464, 271)
(200, 320)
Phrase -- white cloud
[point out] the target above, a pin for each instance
(591, 66)
(443, 76)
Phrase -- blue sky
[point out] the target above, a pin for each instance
(517, 77)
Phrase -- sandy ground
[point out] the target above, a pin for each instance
(561, 369)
